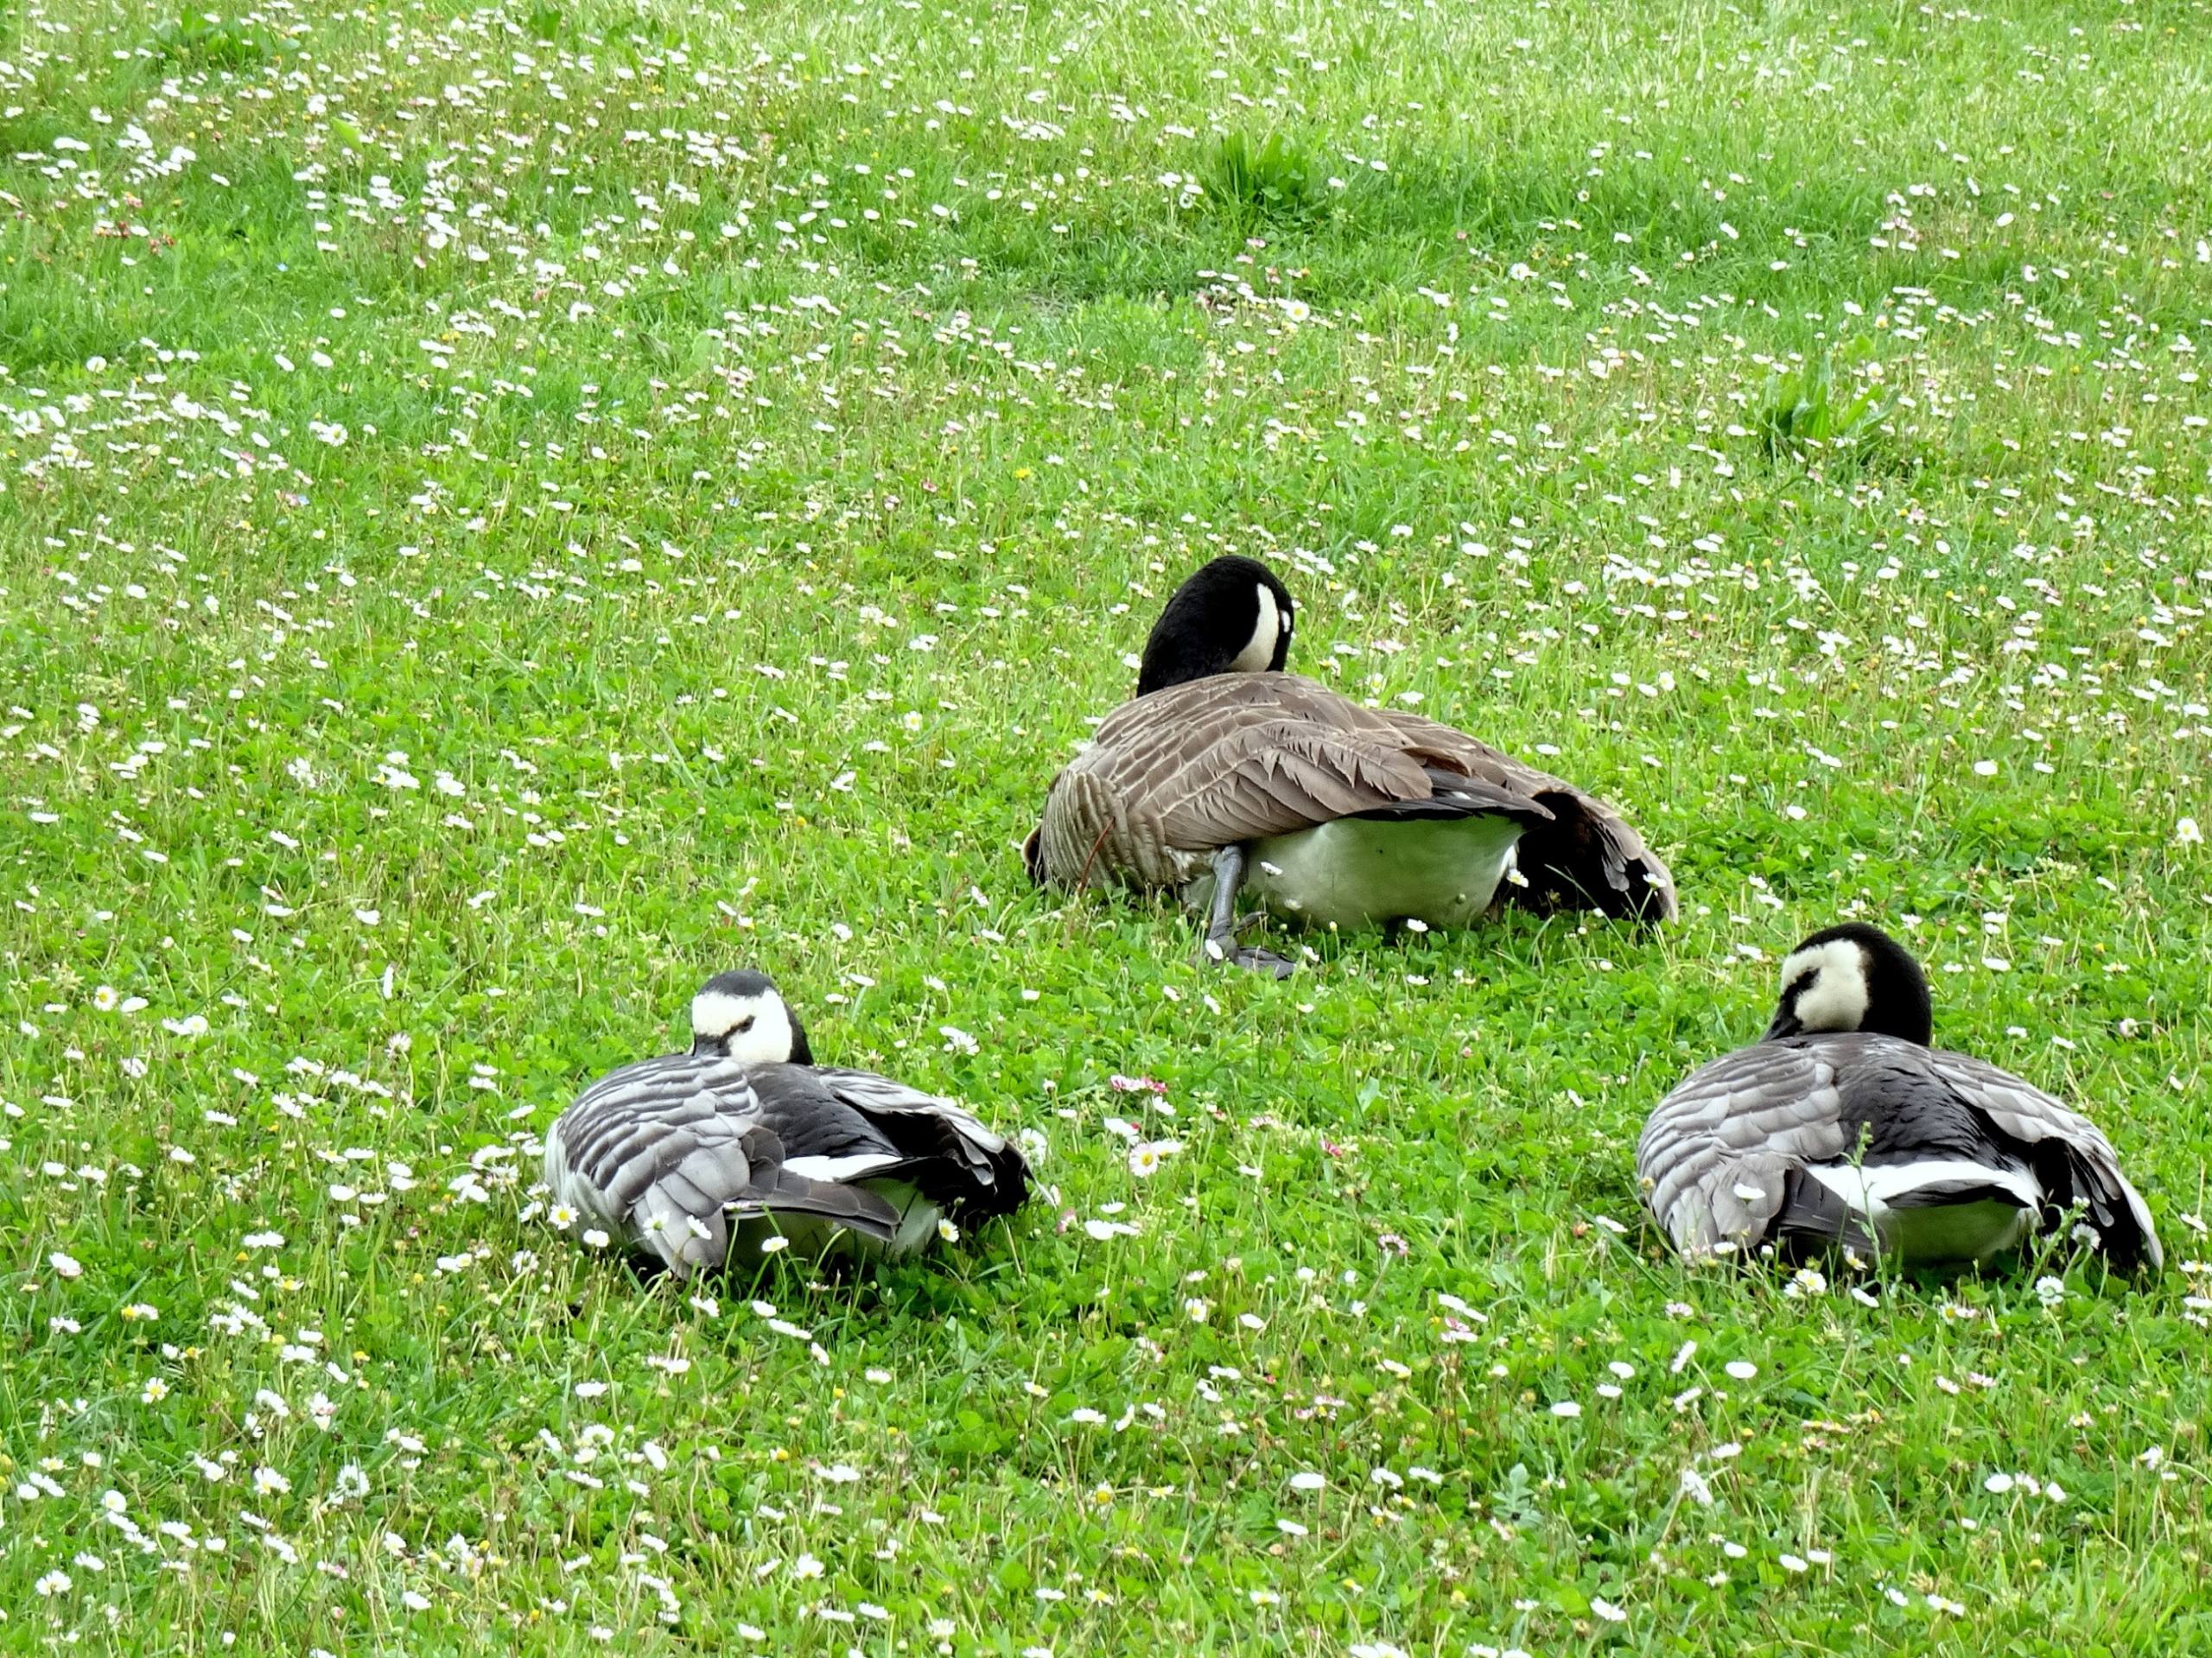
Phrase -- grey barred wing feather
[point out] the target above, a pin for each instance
(1719, 1157)
(951, 1155)
(663, 1153)
(1723, 1160)
(2068, 1153)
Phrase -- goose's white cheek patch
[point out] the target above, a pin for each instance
(1836, 998)
(766, 1041)
(714, 1014)
(1260, 650)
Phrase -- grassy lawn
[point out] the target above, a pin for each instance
(505, 511)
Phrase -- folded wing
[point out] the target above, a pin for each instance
(1239, 756)
(664, 1152)
(1797, 1141)
(2069, 1154)
(1719, 1158)
(943, 1148)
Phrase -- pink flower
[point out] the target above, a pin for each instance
(1121, 1084)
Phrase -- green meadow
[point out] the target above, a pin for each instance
(508, 509)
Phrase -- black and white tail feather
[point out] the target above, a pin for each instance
(1845, 1128)
(697, 1159)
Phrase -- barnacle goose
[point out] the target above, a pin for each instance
(1226, 773)
(699, 1158)
(1842, 1127)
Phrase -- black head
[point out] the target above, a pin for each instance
(1232, 616)
(1853, 978)
(743, 1016)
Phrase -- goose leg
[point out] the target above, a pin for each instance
(1221, 944)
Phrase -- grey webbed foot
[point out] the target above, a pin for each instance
(1264, 961)
(1223, 925)
(1226, 951)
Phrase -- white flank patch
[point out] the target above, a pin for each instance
(1836, 999)
(836, 1170)
(1874, 1190)
(919, 1218)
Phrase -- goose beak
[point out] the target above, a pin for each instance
(1785, 1024)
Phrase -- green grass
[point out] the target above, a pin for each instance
(505, 515)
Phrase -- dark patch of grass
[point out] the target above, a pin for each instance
(218, 42)
(630, 27)
(1825, 405)
(1278, 178)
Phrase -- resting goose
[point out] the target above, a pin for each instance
(1842, 1127)
(1225, 773)
(698, 1158)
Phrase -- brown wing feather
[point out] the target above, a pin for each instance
(1236, 757)
(1277, 776)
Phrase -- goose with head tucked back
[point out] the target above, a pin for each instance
(698, 1158)
(1225, 774)
(1843, 1129)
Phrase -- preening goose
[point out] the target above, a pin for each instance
(1225, 773)
(699, 1158)
(1842, 1127)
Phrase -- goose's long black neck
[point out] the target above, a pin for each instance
(1233, 614)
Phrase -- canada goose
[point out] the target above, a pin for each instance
(1843, 1127)
(696, 1158)
(1226, 773)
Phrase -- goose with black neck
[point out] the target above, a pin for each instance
(1227, 775)
(1845, 1128)
(699, 1159)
